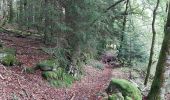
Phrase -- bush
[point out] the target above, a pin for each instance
(47, 65)
(128, 90)
(9, 60)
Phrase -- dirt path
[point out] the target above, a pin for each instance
(14, 84)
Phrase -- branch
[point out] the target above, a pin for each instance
(113, 5)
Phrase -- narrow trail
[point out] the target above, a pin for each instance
(14, 83)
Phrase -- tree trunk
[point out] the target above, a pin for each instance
(158, 82)
(153, 43)
(4, 12)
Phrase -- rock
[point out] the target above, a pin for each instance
(124, 87)
(47, 65)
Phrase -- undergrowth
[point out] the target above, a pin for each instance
(58, 78)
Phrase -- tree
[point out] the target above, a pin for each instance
(153, 43)
(158, 82)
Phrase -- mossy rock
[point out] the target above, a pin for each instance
(116, 96)
(47, 65)
(9, 60)
(128, 89)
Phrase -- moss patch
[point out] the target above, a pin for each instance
(116, 96)
(128, 90)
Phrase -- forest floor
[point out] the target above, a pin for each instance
(16, 84)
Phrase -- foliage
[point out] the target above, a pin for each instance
(127, 89)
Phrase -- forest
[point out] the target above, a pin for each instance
(84, 49)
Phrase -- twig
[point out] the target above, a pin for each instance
(2, 77)
(73, 96)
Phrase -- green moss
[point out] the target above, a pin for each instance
(47, 65)
(9, 60)
(128, 90)
(116, 96)
(128, 98)
(112, 97)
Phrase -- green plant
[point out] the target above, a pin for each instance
(9, 60)
(58, 74)
(58, 78)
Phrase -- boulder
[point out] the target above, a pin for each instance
(123, 90)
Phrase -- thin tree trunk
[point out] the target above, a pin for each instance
(10, 11)
(158, 82)
(153, 43)
(4, 8)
